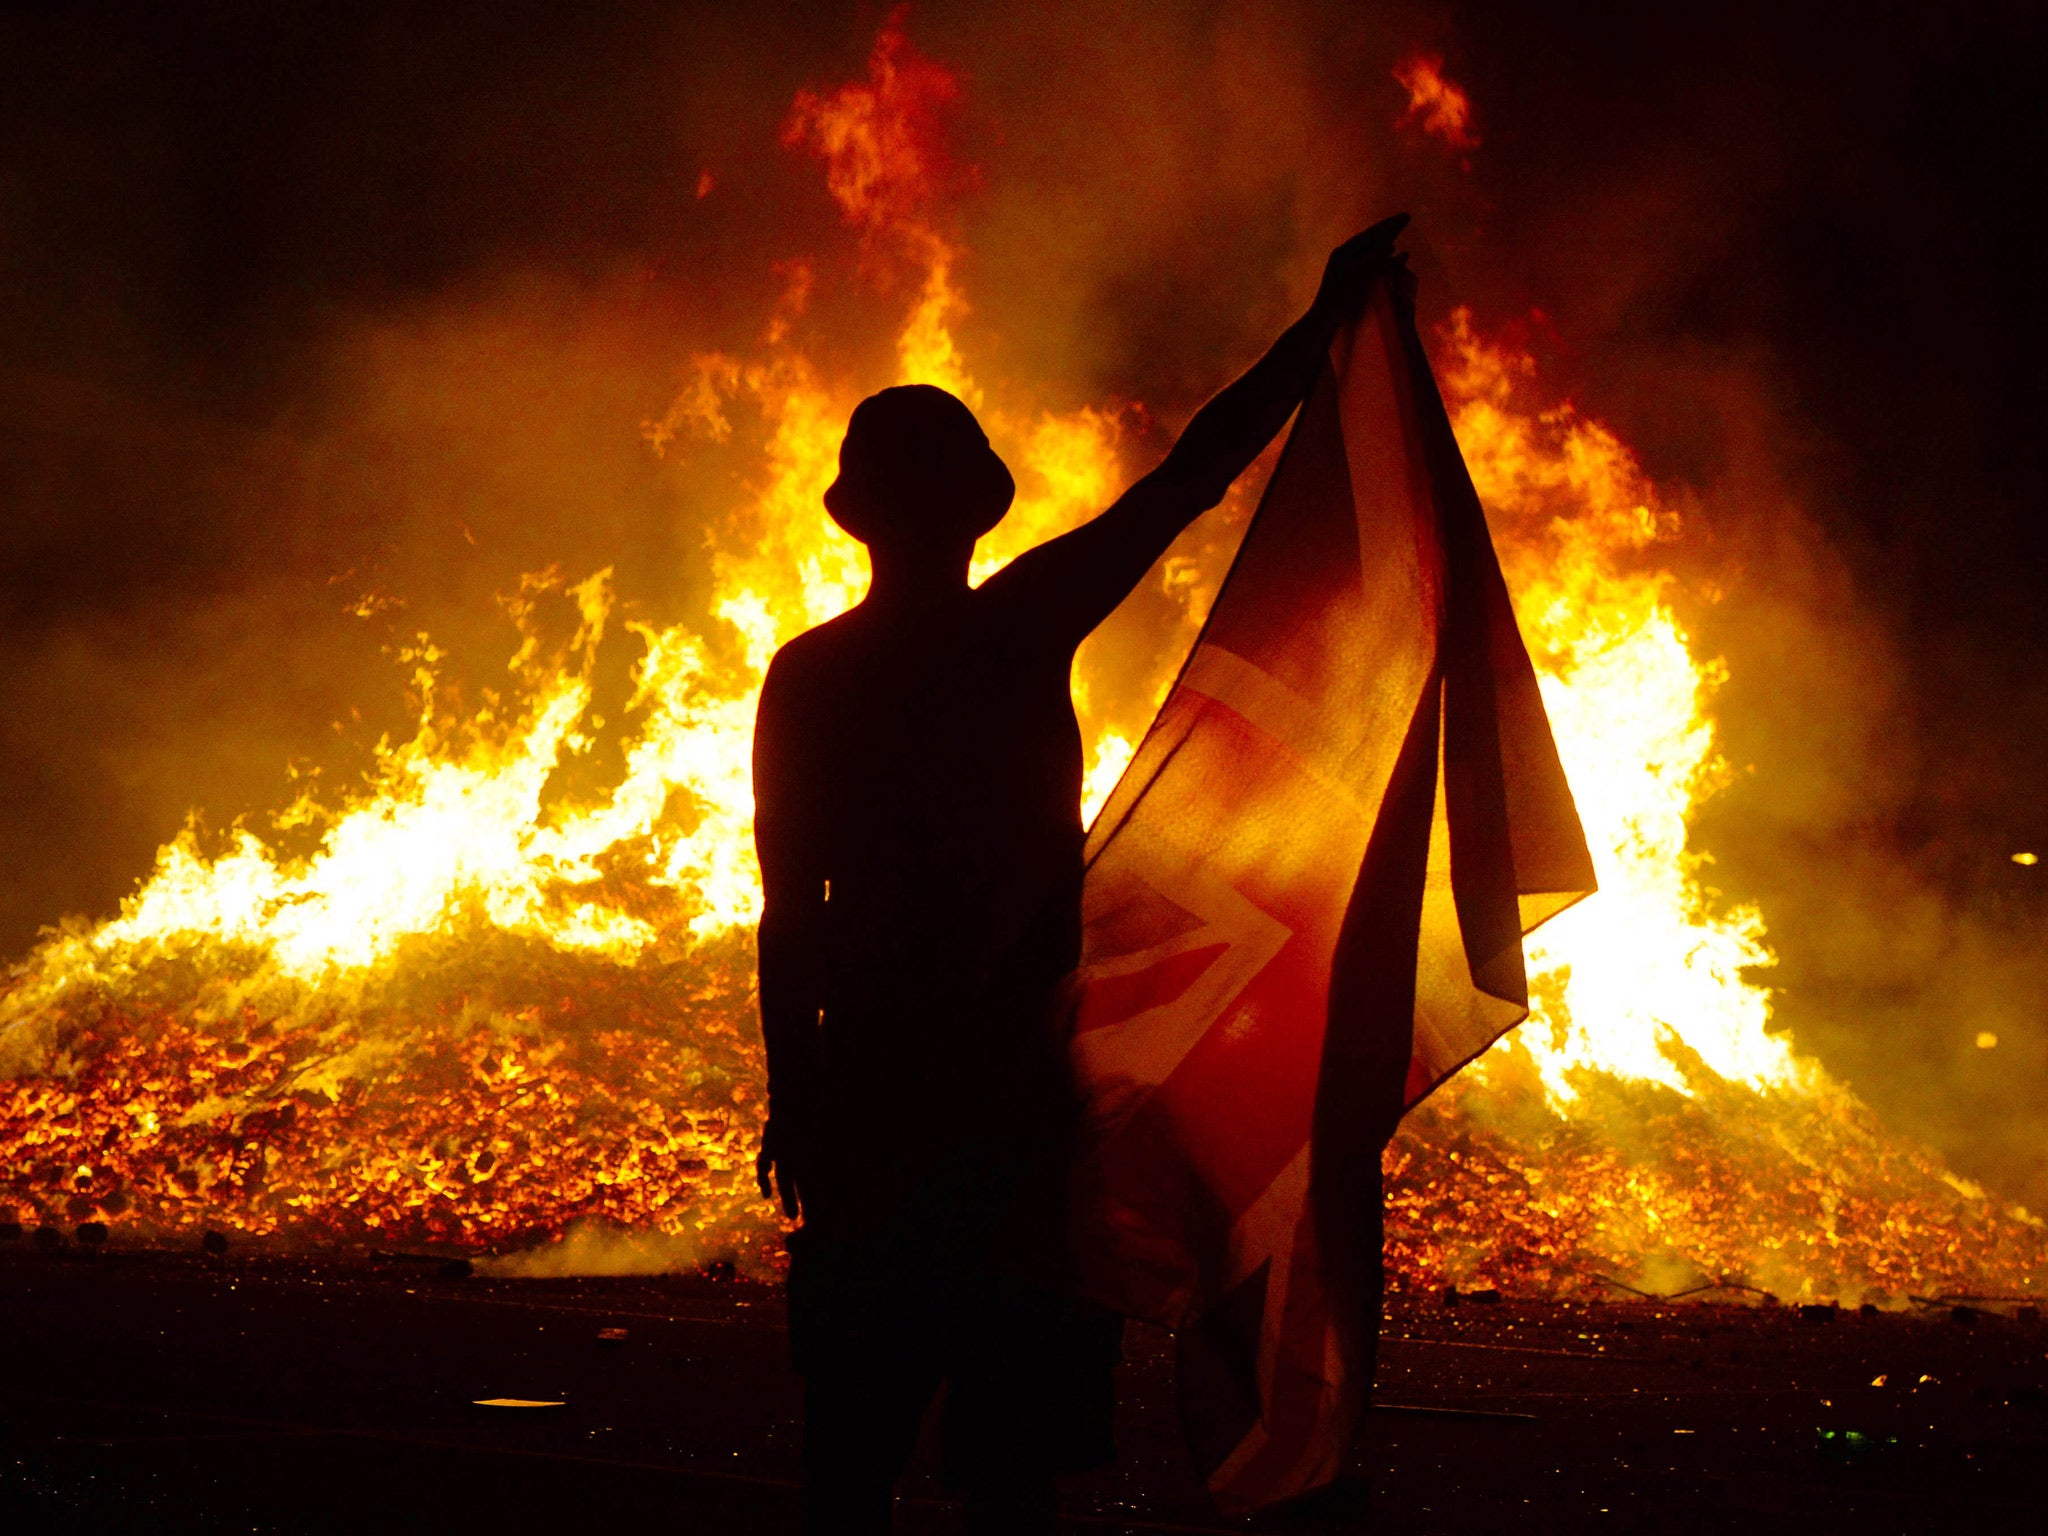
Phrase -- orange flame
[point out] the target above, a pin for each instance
(1435, 105)
(458, 1015)
(476, 1012)
(882, 140)
(1647, 1125)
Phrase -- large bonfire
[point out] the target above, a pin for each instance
(475, 1011)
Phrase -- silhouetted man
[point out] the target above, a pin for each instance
(917, 777)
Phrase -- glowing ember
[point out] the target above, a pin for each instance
(475, 1009)
(1436, 106)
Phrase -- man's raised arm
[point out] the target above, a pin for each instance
(1086, 573)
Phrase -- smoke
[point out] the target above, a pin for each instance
(322, 327)
(596, 1248)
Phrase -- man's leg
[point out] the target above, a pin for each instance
(1018, 1506)
(870, 1362)
(1030, 1396)
(860, 1426)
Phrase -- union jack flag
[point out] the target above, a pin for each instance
(1304, 909)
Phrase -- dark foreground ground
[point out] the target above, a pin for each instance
(165, 1392)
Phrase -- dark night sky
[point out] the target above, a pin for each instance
(298, 302)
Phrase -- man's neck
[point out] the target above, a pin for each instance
(925, 585)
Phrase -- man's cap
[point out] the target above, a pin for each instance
(915, 464)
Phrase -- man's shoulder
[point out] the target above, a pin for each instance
(809, 659)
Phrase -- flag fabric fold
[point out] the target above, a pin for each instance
(1304, 909)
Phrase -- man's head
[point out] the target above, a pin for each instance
(916, 471)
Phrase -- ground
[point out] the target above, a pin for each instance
(158, 1391)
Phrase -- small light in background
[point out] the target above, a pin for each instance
(2026, 858)
(1986, 1040)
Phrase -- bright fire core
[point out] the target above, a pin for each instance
(480, 1011)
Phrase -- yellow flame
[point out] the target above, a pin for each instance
(1645, 961)
(445, 829)
(460, 834)
(1112, 754)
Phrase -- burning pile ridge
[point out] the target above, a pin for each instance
(476, 1012)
